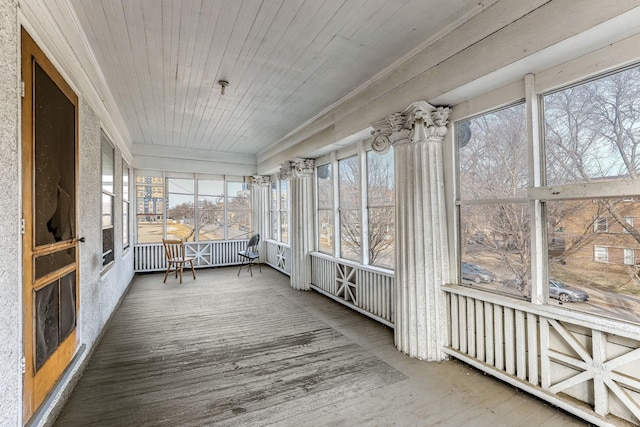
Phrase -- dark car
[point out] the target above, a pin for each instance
(566, 293)
(475, 273)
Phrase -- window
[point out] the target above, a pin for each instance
(181, 209)
(280, 211)
(275, 217)
(107, 201)
(591, 146)
(197, 207)
(355, 206)
(326, 219)
(600, 254)
(629, 257)
(601, 225)
(582, 172)
(211, 218)
(125, 205)
(238, 210)
(349, 196)
(150, 208)
(380, 203)
(284, 211)
(494, 214)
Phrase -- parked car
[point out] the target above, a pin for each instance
(565, 293)
(475, 273)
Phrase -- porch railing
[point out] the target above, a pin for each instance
(150, 256)
(587, 365)
(279, 256)
(367, 290)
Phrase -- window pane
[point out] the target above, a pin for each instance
(125, 182)
(381, 236)
(284, 195)
(326, 224)
(239, 210)
(380, 179)
(274, 225)
(325, 187)
(591, 130)
(349, 183)
(350, 234)
(211, 222)
(495, 249)
(493, 155)
(107, 210)
(149, 208)
(125, 205)
(107, 245)
(107, 166)
(350, 230)
(125, 225)
(284, 227)
(181, 210)
(274, 194)
(591, 264)
(380, 193)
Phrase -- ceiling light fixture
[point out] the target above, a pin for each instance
(223, 84)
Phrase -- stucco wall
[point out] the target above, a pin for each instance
(10, 376)
(100, 291)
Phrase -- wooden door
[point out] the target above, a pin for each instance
(49, 206)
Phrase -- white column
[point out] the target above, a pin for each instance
(421, 250)
(260, 211)
(301, 232)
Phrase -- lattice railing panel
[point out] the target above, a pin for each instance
(279, 256)
(549, 354)
(369, 291)
(151, 257)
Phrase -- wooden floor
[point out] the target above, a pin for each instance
(230, 351)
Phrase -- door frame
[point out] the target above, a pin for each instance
(37, 385)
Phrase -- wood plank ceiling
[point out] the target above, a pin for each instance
(285, 60)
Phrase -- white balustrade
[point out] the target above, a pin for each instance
(150, 256)
(367, 290)
(558, 355)
(279, 256)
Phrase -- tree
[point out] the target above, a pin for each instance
(494, 166)
(381, 211)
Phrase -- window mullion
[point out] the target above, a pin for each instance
(337, 241)
(539, 270)
(364, 212)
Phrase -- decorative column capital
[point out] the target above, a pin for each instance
(260, 179)
(420, 121)
(297, 168)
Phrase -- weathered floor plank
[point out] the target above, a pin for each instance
(245, 351)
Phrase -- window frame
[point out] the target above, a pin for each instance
(600, 254)
(145, 178)
(629, 253)
(601, 224)
(108, 256)
(360, 150)
(277, 209)
(126, 206)
(539, 192)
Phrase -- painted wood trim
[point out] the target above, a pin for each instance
(604, 324)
